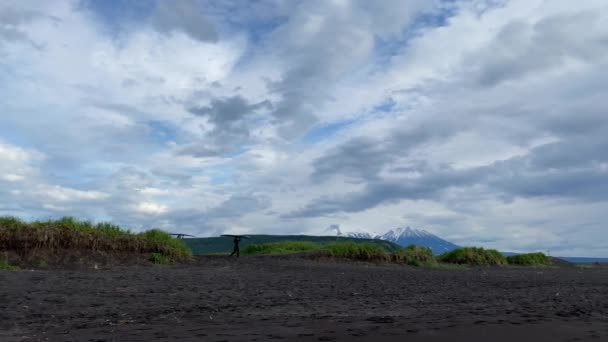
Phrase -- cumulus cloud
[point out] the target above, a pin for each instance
(16, 163)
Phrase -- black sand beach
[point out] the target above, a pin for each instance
(294, 299)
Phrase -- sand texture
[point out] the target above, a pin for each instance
(295, 299)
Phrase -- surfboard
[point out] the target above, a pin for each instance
(241, 236)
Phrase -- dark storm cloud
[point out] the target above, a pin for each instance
(206, 220)
(363, 158)
(226, 111)
(360, 158)
(203, 149)
(573, 169)
(576, 170)
(574, 153)
(186, 16)
(521, 48)
(583, 185)
(231, 126)
(376, 192)
(11, 21)
(585, 120)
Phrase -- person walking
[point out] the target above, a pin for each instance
(236, 249)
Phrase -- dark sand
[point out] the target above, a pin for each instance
(293, 299)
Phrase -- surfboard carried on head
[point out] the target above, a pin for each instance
(180, 235)
(240, 236)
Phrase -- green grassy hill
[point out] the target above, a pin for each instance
(212, 245)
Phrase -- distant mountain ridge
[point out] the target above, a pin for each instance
(408, 236)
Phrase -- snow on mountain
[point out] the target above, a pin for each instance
(360, 235)
(407, 232)
(409, 236)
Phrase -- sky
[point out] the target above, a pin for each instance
(482, 121)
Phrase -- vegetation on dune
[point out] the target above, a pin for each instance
(214, 245)
(357, 251)
(474, 256)
(68, 233)
(167, 245)
(414, 255)
(529, 259)
(281, 247)
(348, 250)
(159, 259)
(5, 266)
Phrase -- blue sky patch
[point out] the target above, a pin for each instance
(320, 133)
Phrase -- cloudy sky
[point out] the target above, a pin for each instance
(482, 121)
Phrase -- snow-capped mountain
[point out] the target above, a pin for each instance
(360, 235)
(409, 236)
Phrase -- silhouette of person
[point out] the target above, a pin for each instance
(236, 250)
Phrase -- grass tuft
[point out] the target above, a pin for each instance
(357, 251)
(159, 259)
(5, 266)
(529, 259)
(414, 256)
(281, 247)
(475, 256)
(69, 233)
(348, 250)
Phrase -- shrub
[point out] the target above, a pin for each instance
(474, 256)
(349, 250)
(5, 266)
(280, 247)
(68, 233)
(159, 259)
(166, 244)
(11, 222)
(356, 251)
(529, 259)
(414, 255)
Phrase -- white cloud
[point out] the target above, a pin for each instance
(11, 177)
(151, 208)
(57, 208)
(153, 191)
(100, 118)
(63, 194)
(16, 164)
